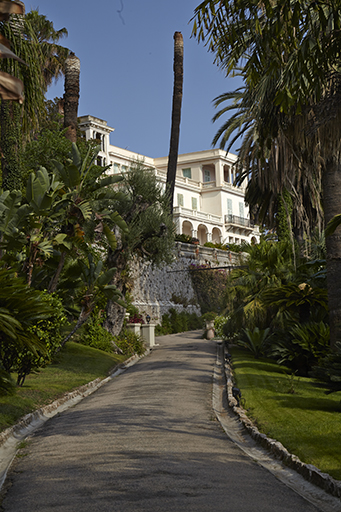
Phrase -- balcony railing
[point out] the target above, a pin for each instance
(238, 221)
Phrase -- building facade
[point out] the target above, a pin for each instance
(207, 204)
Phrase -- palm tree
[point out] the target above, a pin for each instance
(54, 55)
(277, 157)
(176, 115)
(71, 96)
(296, 45)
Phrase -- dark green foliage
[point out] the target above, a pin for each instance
(50, 333)
(130, 343)
(21, 308)
(174, 322)
(11, 145)
(283, 216)
(255, 341)
(187, 239)
(210, 287)
(328, 370)
(94, 335)
(7, 385)
(227, 247)
(40, 152)
(301, 346)
(144, 207)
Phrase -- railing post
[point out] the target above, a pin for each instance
(135, 328)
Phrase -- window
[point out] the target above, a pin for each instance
(187, 173)
(100, 140)
(116, 168)
(207, 175)
(124, 168)
(194, 203)
(180, 200)
(229, 206)
(241, 210)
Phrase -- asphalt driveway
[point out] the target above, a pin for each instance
(146, 441)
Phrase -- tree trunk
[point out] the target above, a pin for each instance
(115, 313)
(71, 96)
(332, 207)
(176, 115)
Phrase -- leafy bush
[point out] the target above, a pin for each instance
(209, 316)
(96, 336)
(49, 332)
(130, 343)
(7, 385)
(219, 323)
(187, 239)
(174, 322)
(328, 370)
(255, 341)
(301, 346)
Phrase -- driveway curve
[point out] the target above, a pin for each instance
(146, 441)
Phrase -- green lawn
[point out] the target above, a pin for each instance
(75, 366)
(307, 422)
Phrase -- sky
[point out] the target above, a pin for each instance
(126, 51)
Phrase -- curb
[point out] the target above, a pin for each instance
(308, 471)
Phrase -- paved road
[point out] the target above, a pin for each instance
(146, 441)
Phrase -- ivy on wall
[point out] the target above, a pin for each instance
(210, 287)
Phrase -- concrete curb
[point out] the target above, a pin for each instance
(12, 436)
(308, 471)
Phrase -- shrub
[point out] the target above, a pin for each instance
(97, 337)
(255, 341)
(174, 322)
(219, 323)
(49, 332)
(328, 370)
(130, 343)
(7, 385)
(187, 239)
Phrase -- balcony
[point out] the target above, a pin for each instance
(245, 225)
(180, 211)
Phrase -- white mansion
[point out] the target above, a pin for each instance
(207, 205)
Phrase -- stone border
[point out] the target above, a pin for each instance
(308, 471)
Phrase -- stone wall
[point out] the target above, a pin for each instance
(158, 289)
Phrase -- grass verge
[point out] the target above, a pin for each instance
(292, 410)
(74, 366)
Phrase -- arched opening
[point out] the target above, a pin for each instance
(202, 234)
(216, 236)
(187, 228)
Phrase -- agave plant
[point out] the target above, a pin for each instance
(255, 341)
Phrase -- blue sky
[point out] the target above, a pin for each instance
(126, 53)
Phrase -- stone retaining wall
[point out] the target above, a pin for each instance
(158, 289)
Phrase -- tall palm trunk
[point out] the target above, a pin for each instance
(176, 115)
(332, 207)
(71, 96)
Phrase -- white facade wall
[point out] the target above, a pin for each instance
(207, 205)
